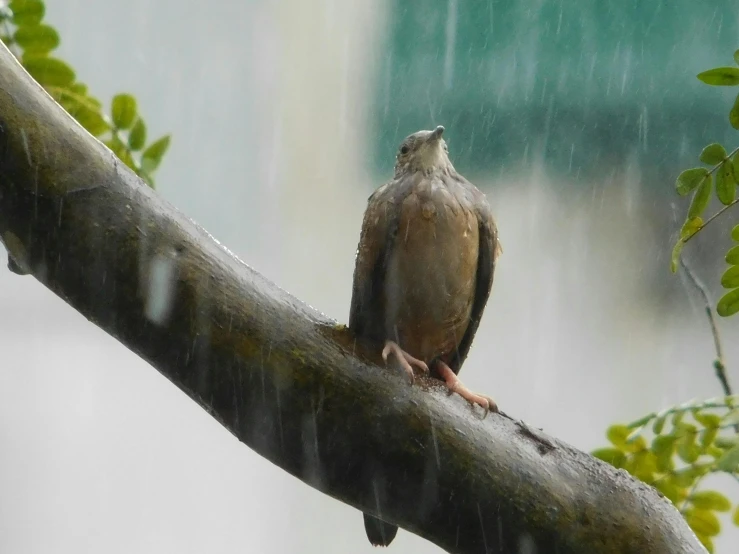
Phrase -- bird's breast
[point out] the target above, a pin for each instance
(431, 273)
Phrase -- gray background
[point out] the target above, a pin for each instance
(270, 110)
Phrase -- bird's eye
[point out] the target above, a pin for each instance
(404, 149)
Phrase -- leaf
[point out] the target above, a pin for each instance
(37, 39)
(732, 257)
(736, 56)
(685, 477)
(706, 542)
(659, 424)
(720, 76)
(707, 420)
(674, 493)
(27, 12)
(734, 113)
(690, 179)
(729, 462)
(663, 448)
(707, 436)
(725, 183)
(703, 522)
(690, 228)
(611, 456)
(713, 154)
(152, 156)
(710, 500)
(688, 451)
(123, 110)
(701, 197)
(728, 305)
(137, 136)
(675, 258)
(83, 109)
(735, 233)
(735, 517)
(49, 71)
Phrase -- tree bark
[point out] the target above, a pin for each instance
(284, 380)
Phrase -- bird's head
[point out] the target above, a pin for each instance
(423, 151)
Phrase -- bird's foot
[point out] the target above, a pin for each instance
(455, 385)
(406, 361)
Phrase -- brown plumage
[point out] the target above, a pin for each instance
(424, 271)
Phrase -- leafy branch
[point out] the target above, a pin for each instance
(675, 449)
(123, 130)
(725, 167)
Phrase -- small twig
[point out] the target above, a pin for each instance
(692, 490)
(718, 364)
(723, 402)
(714, 216)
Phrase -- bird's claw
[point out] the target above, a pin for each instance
(406, 361)
(455, 385)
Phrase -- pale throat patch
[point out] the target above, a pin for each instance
(431, 155)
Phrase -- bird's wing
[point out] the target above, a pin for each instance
(379, 229)
(489, 250)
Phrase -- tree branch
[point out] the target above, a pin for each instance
(287, 382)
(718, 363)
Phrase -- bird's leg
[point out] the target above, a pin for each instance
(405, 360)
(455, 385)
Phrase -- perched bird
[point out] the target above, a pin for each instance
(424, 271)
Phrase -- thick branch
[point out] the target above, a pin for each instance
(288, 383)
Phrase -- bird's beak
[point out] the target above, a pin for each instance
(435, 134)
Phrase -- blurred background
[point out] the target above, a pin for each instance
(574, 118)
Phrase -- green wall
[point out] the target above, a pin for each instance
(578, 84)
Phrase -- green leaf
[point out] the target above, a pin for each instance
(611, 456)
(710, 500)
(725, 183)
(152, 156)
(675, 258)
(707, 420)
(617, 434)
(83, 109)
(707, 437)
(721, 76)
(703, 522)
(123, 110)
(688, 451)
(713, 154)
(49, 71)
(685, 477)
(729, 462)
(734, 113)
(690, 228)
(707, 543)
(659, 424)
(690, 179)
(663, 447)
(674, 493)
(643, 466)
(37, 39)
(728, 305)
(727, 443)
(735, 517)
(735, 233)
(701, 197)
(732, 257)
(27, 12)
(137, 136)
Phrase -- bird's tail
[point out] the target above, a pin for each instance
(379, 533)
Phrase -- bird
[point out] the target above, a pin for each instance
(424, 272)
